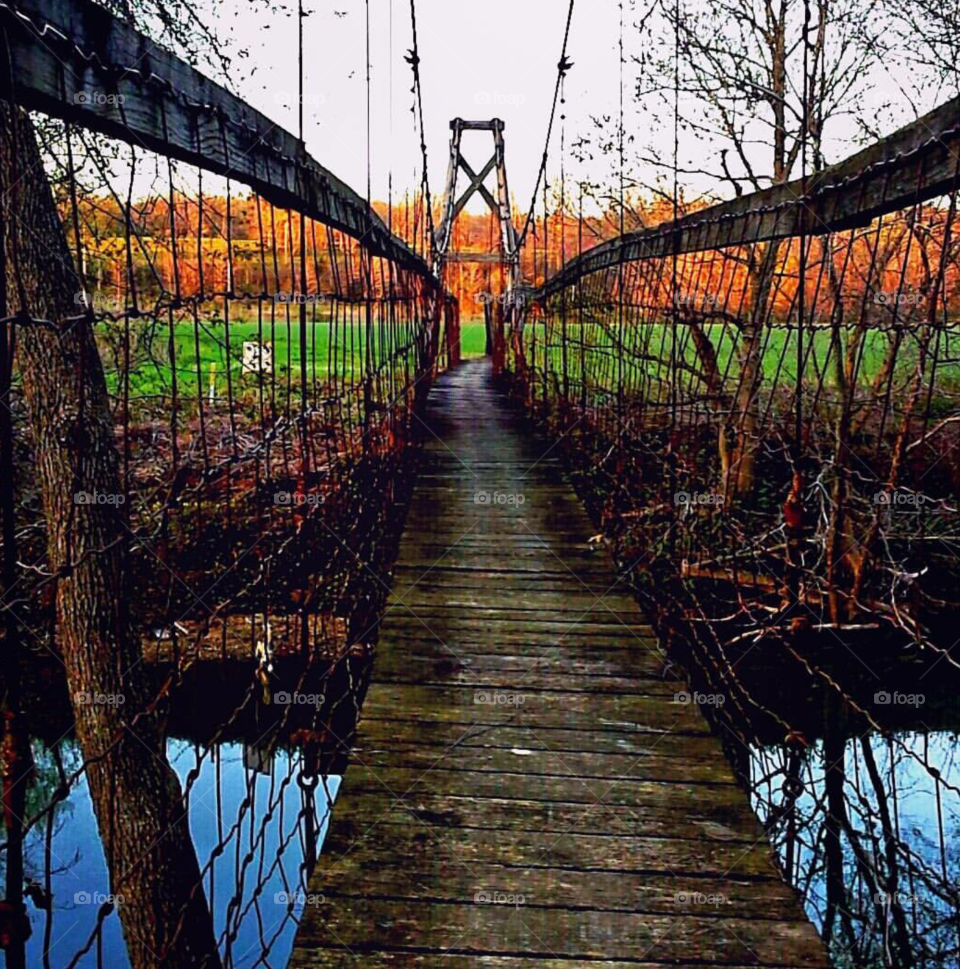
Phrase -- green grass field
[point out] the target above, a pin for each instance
(204, 354)
(648, 349)
(204, 357)
(473, 338)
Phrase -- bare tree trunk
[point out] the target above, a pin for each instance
(741, 458)
(136, 796)
(15, 753)
(901, 955)
(707, 357)
(834, 775)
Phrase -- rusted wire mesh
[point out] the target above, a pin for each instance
(760, 401)
(263, 371)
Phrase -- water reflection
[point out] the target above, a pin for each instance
(257, 836)
(868, 828)
(848, 748)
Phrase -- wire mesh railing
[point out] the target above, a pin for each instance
(213, 358)
(759, 399)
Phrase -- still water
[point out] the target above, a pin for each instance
(254, 835)
(867, 828)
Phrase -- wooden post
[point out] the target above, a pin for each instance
(498, 341)
(452, 330)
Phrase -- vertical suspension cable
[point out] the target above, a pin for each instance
(793, 506)
(563, 250)
(305, 482)
(367, 257)
(621, 201)
(563, 66)
(674, 283)
(413, 59)
(303, 252)
(802, 267)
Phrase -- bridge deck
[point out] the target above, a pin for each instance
(524, 790)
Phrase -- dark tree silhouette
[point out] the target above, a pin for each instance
(136, 796)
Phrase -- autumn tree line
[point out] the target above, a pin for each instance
(243, 247)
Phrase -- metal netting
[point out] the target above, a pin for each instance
(261, 374)
(760, 403)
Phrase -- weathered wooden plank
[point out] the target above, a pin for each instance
(444, 576)
(539, 763)
(600, 725)
(914, 164)
(731, 822)
(530, 708)
(468, 573)
(427, 661)
(662, 894)
(593, 622)
(585, 638)
(532, 680)
(310, 958)
(527, 561)
(526, 605)
(577, 549)
(72, 59)
(611, 600)
(574, 740)
(353, 841)
(549, 932)
(674, 796)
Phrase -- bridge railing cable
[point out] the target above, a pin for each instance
(760, 399)
(251, 343)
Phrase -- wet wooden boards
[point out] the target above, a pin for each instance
(525, 790)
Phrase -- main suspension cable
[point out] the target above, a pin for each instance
(413, 59)
(563, 67)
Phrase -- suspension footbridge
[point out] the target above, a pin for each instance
(629, 641)
(527, 787)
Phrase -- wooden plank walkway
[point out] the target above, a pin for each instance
(525, 791)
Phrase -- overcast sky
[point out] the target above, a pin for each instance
(478, 60)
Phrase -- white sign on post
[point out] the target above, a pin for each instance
(257, 357)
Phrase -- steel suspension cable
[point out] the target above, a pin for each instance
(413, 59)
(563, 67)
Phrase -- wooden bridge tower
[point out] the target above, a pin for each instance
(499, 205)
(508, 253)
